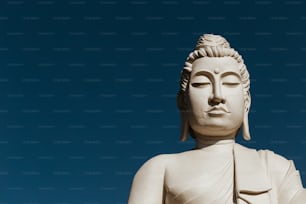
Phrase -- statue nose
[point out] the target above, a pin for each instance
(216, 96)
(214, 100)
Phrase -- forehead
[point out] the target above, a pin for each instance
(215, 65)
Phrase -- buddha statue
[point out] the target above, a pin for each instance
(214, 101)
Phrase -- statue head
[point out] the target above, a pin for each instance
(214, 98)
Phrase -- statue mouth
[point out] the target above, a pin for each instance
(217, 110)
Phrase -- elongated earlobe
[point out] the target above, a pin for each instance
(245, 124)
(184, 128)
(245, 128)
(182, 105)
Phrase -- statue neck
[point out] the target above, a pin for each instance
(205, 141)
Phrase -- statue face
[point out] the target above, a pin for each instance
(215, 97)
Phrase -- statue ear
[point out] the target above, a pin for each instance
(245, 124)
(181, 102)
(184, 127)
(247, 103)
(182, 105)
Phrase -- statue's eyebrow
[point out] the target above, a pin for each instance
(230, 73)
(205, 73)
(209, 74)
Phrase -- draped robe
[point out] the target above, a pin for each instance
(228, 173)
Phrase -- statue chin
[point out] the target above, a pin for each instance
(217, 129)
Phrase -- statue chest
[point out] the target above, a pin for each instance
(206, 180)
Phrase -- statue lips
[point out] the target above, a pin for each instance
(217, 111)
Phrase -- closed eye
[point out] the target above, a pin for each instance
(231, 84)
(202, 84)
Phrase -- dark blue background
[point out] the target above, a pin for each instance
(88, 88)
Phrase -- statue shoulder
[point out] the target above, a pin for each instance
(148, 183)
(275, 164)
(162, 160)
(274, 160)
(269, 157)
(284, 177)
(157, 162)
(282, 170)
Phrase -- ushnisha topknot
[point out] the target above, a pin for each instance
(212, 41)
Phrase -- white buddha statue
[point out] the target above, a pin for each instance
(214, 101)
